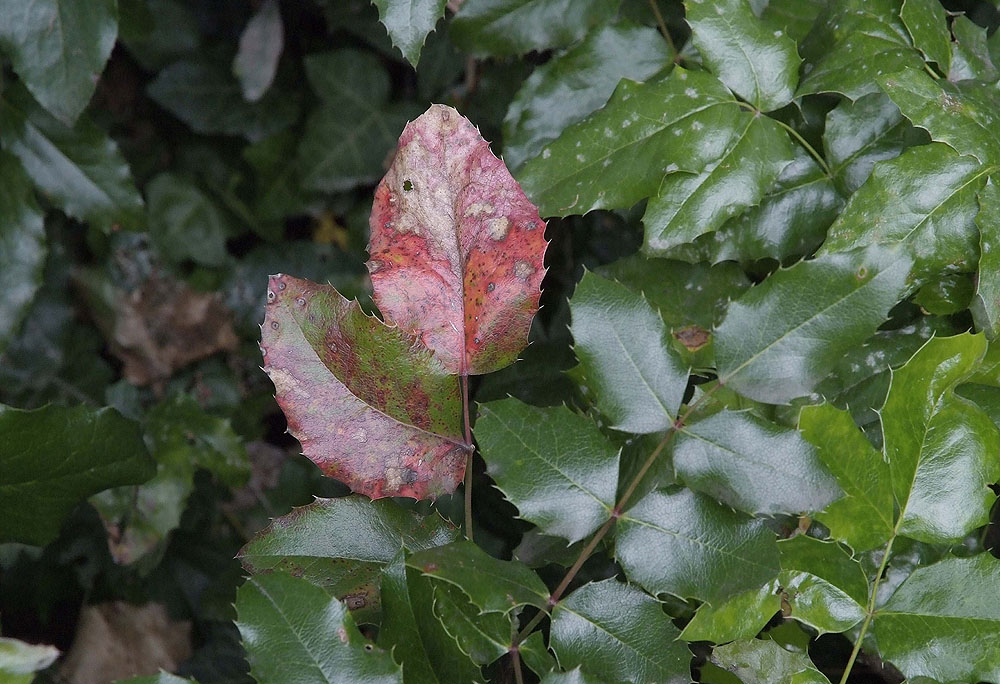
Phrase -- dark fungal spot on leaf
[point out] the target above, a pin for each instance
(862, 273)
(407, 185)
(274, 325)
(301, 301)
(282, 286)
(355, 601)
(270, 296)
(491, 287)
(692, 337)
(369, 647)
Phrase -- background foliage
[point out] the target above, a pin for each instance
(761, 399)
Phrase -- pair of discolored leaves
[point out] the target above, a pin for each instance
(456, 265)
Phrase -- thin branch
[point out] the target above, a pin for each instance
(615, 514)
(469, 457)
(663, 26)
(870, 611)
(516, 657)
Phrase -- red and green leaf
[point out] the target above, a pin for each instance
(371, 406)
(456, 247)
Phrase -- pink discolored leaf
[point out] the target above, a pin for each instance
(456, 247)
(370, 404)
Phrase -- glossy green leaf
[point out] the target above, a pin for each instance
(986, 303)
(751, 56)
(59, 48)
(971, 57)
(351, 527)
(857, 41)
(574, 676)
(927, 23)
(79, 169)
(783, 336)
(574, 83)
(536, 656)
(688, 205)
(261, 43)
(618, 155)
(54, 457)
(626, 356)
(512, 27)
(678, 542)
(483, 637)
(863, 518)
(946, 295)
(969, 124)
(294, 631)
(19, 660)
(753, 465)
(408, 23)
(207, 97)
(22, 246)
(924, 199)
(741, 617)
(941, 448)
(184, 223)
(953, 604)
(765, 662)
(823, 586)
(790, 221)
(553, 464)
(795, 16)
(618, 633)
(858, 134)
(493, 585)
(418, 641)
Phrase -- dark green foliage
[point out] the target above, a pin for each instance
(755, 437)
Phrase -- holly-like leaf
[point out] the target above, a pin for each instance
(626, 356)
(927, 23)
(858, 134)
(456, 248)
(294, 631)
(854, 43)
(370, 406)
(753, 465)
(765, 662)
(863, 518)
(617, 156)
(79, 169)
(954, 604)
(512, 27)
(408, 23)
(22, 246)
(678, 542)
(986, 304)
(59, 48)
(741, 617)
(342, 544)
(940, 447)
(924, 199)
(822, 585)
(54, 457)
(573, 84)
(419, 641)
(969, 124)
(483, 637)
(493, 586)
(971, 56)
(733, 178)
(536, 656)
(553, 464)
(751, 56)
(790, 221)
(783, 336)
(618, 633)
